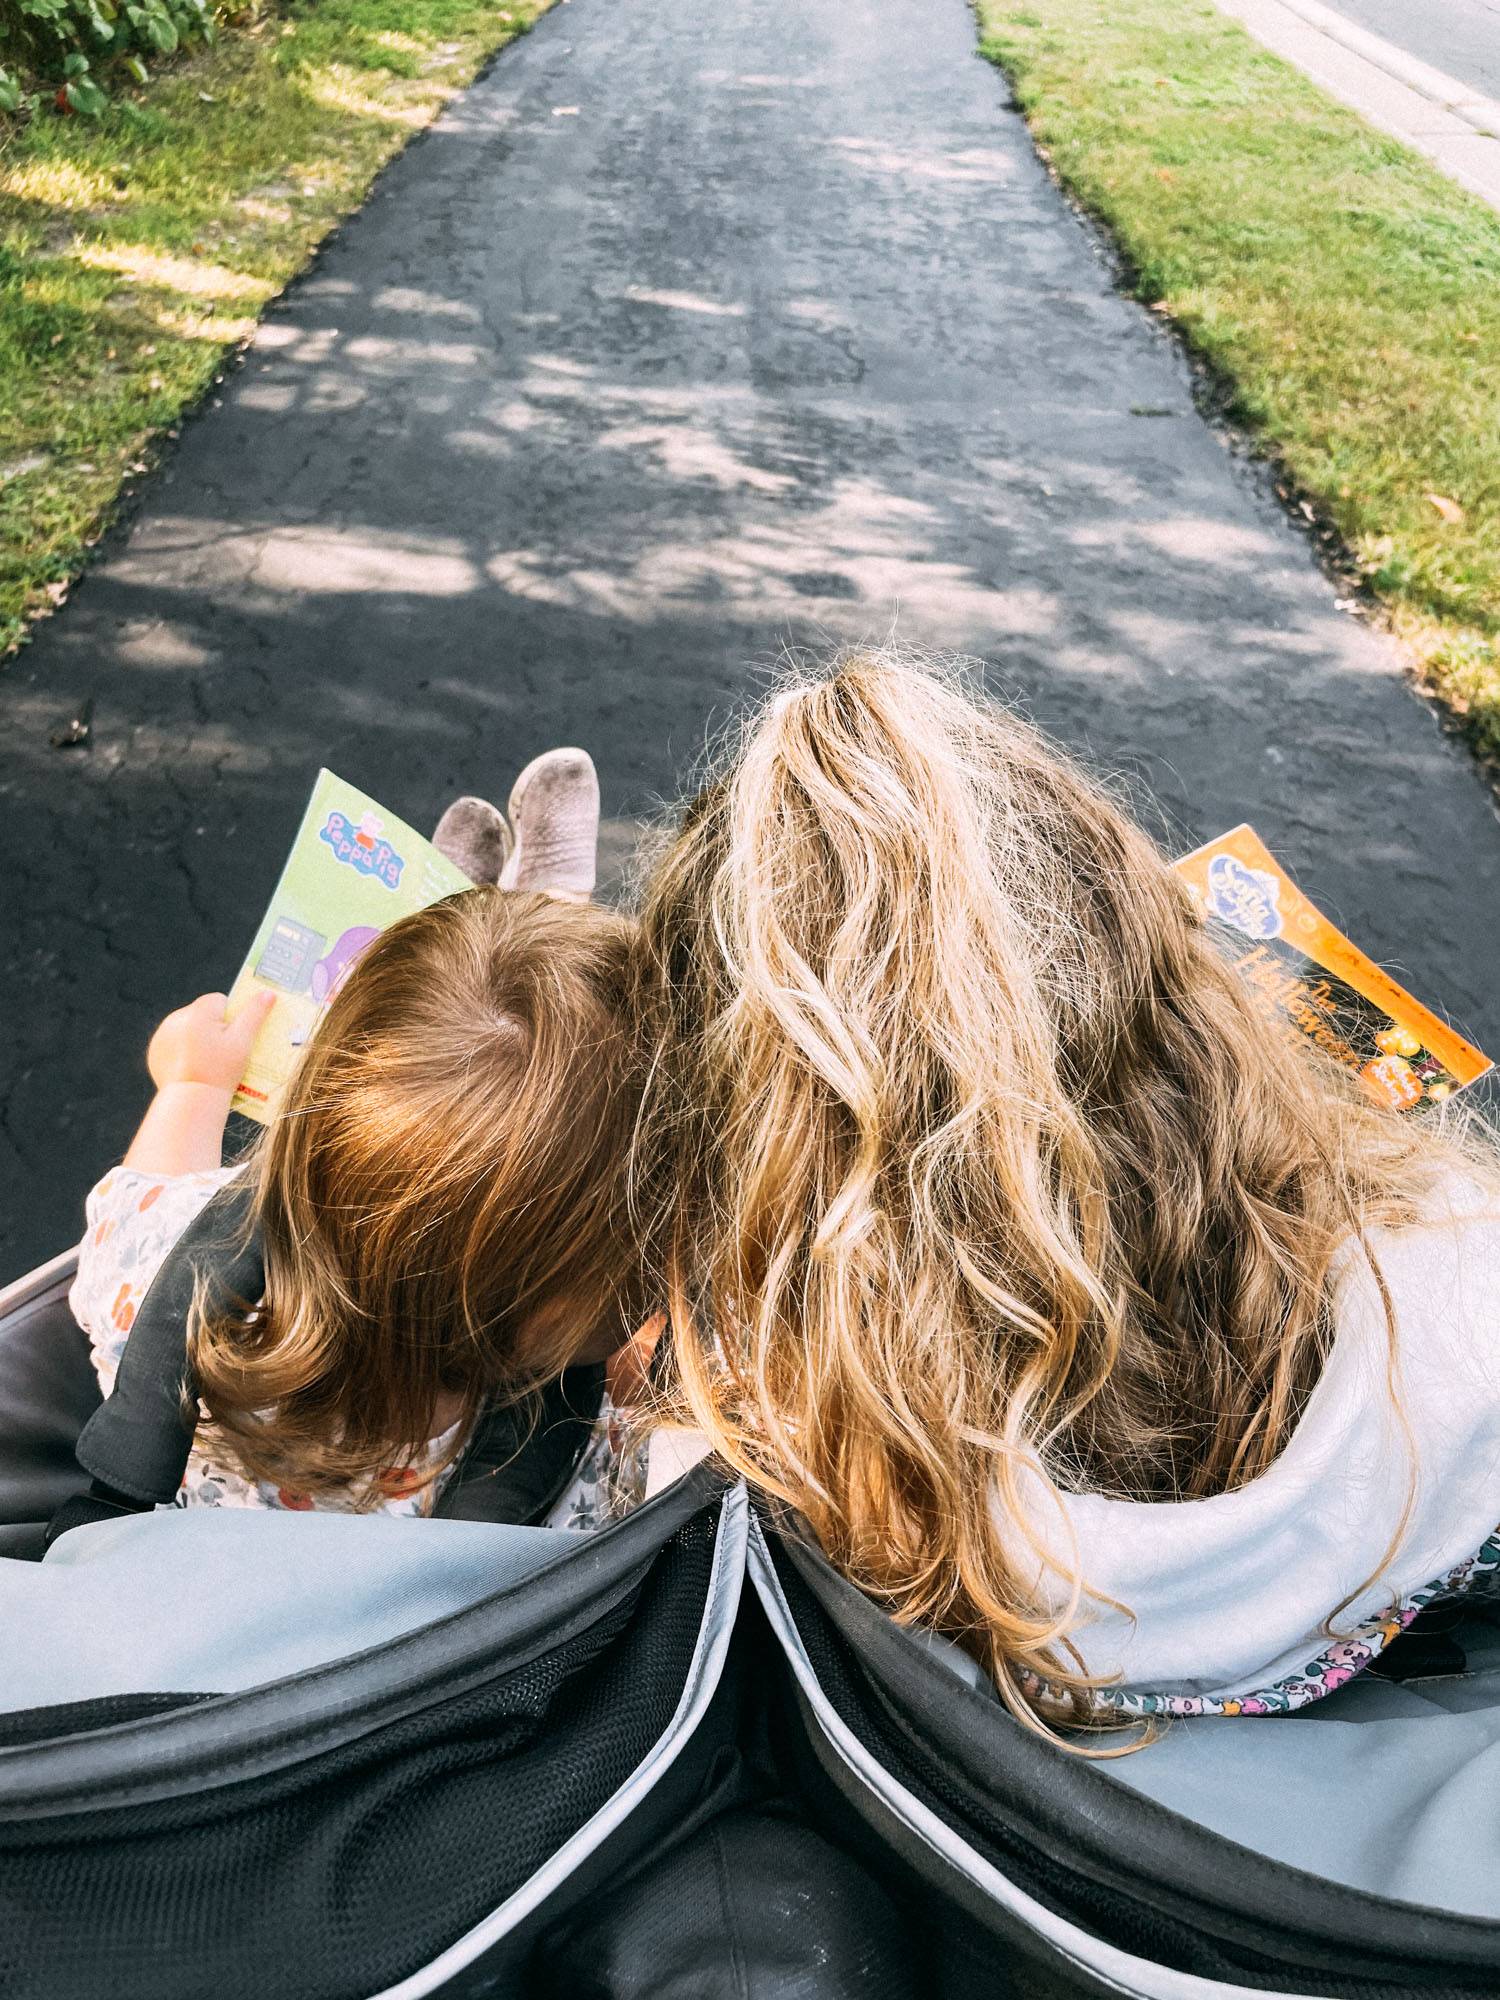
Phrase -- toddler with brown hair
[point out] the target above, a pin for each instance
(441, 1202)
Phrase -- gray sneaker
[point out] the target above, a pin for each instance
(474, 836)
(554, 813)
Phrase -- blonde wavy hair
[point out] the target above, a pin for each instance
(442, 1199)
(969, 1161)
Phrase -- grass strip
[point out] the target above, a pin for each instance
(1343, 290)
(138, 249)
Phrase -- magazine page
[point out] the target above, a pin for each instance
(1308, 974)
(353, 870)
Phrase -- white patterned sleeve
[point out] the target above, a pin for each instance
(132, 1221)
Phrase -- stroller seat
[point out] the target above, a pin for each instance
(299, 1755)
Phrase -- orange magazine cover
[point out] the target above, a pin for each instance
(1311, 976)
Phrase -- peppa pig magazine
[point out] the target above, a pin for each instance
(1308, 975)
(353, 870)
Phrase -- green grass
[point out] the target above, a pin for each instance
(137, 250)
(1344, 290)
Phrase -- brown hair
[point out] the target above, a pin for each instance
(977, 1176)
(442, 1196)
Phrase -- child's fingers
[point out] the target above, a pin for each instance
(201, 1044)
(248, 1022)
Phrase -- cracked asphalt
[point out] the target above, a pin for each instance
(689, 331)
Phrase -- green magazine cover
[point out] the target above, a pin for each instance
(353, 870)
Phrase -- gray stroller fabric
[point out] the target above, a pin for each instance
(432, 1815)
(47, 1394)
(217, 1599)
(1388, 1787)
(334, 1758)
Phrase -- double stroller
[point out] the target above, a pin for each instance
(282, 1756)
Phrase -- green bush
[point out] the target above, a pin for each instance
(73, 49)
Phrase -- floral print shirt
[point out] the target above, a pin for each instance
(133, 1220)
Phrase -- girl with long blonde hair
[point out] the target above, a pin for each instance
(1084, 1316)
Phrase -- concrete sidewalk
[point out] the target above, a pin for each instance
(1455, 124)
(1461, 37)
(687, 331)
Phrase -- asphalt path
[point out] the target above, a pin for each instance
(689, 332)
(1459, 37)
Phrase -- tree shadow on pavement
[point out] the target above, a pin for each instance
(473, 495)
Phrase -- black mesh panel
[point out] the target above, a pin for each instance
(334, 1879)
(1274, 1959)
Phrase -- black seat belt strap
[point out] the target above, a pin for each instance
(521, 1456)
(136, 1445)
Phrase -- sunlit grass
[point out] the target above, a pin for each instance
(187, 276)
(134, 252)
(1347, 292)
(346, 90)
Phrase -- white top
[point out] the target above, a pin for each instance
(1231, 1596)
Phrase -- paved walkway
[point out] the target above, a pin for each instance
(689, 330)
(1427, 79)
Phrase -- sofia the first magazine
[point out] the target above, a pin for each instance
(1308, 975)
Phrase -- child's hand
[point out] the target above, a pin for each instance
(199, 1045)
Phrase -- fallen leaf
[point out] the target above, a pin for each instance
(565, 111)
(1450, 510)
(74, 734)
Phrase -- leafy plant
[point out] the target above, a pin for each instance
(75, 47)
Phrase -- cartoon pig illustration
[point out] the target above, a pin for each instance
(329, 974)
